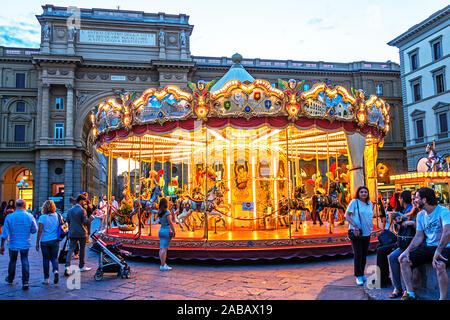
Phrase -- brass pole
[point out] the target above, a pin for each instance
(288, 182)
(206, 185)
(140, 192)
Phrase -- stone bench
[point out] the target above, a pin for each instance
(425, 282)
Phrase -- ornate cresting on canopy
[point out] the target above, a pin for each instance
(241, 105)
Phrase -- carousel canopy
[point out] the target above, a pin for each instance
(237, 111)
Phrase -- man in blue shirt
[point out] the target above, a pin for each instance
(18, 226)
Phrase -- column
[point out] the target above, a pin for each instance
(69, 112)
(36, 184)
(370, 161)
(355, 145)
(45, 111)
(39, 114)
(68, 183)
(76, 177)
(43, 182)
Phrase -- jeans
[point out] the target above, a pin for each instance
(73, 242)
(394, 266)
(360, 248)
(50, 254)
(25, 265)
(382, 262)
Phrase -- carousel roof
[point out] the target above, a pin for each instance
(238, 102)
(236, 72)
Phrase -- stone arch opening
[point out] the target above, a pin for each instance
(18, 183)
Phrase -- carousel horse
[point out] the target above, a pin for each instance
(325, 201)
(283, 209)
(149, 207)
(215, 197)
(436, 162)
(299, 204)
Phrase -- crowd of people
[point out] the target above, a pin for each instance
(421, 235)
(17, 224)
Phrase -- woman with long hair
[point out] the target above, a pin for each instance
(166, 233)
(11, 207)
(47, 237)
(360, 217)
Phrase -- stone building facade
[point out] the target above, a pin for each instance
(425, 58)
(47, 93)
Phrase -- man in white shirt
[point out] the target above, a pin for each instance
(433, 226)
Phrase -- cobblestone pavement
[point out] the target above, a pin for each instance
(324, 278)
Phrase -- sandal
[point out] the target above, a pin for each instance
(396, 294)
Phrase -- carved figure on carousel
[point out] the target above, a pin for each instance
(201, 93)
(300, 204)
(434, 161)
(292, 90)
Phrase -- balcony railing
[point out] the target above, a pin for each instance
(56, 141)
(18, 145)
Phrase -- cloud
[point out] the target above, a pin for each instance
(20, 35)
(315, 21)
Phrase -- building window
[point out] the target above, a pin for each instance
(439, 80)
(19, 133)
(59, 103)
(443, 123)
(380, 90)
(436, 48)
(416, 92)
(20, 107)
(414, 61)
(20, 80)
(59, 130)
(419, 129)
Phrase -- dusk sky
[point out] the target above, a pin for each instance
(321, 30)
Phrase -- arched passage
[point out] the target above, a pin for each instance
(18, 175)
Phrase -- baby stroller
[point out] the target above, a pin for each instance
(111, 259)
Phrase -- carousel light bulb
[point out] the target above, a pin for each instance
(92, 117)
(94, 131)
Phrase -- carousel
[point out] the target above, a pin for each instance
(252, 170)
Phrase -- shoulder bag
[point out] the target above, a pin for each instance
(63, 253)
(63, 228)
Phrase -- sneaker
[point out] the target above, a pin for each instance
(85, 269)
(364, 278)
(46, 281)
(66, 272)
(407, 296)
(56, 277)
(359, 281)
(8, 281)
(25, 286)
(165, 268)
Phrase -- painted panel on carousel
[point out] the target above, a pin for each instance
(258, 97)
(170, 102)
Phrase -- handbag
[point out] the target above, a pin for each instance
(351, 234)
(405, 236)
(387, 237)
(63, 228)
(63, 253)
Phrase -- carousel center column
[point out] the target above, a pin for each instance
(356, 143)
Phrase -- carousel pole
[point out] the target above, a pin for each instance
(140, 206)
(206, 186)
(330, 214)
(288, 182)
(109, 190)
(375, 182)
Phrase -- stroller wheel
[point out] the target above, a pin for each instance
(127, 272)
(98, 275)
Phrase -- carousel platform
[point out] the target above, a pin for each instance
(309, 241)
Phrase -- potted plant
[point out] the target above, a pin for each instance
(124, 220)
